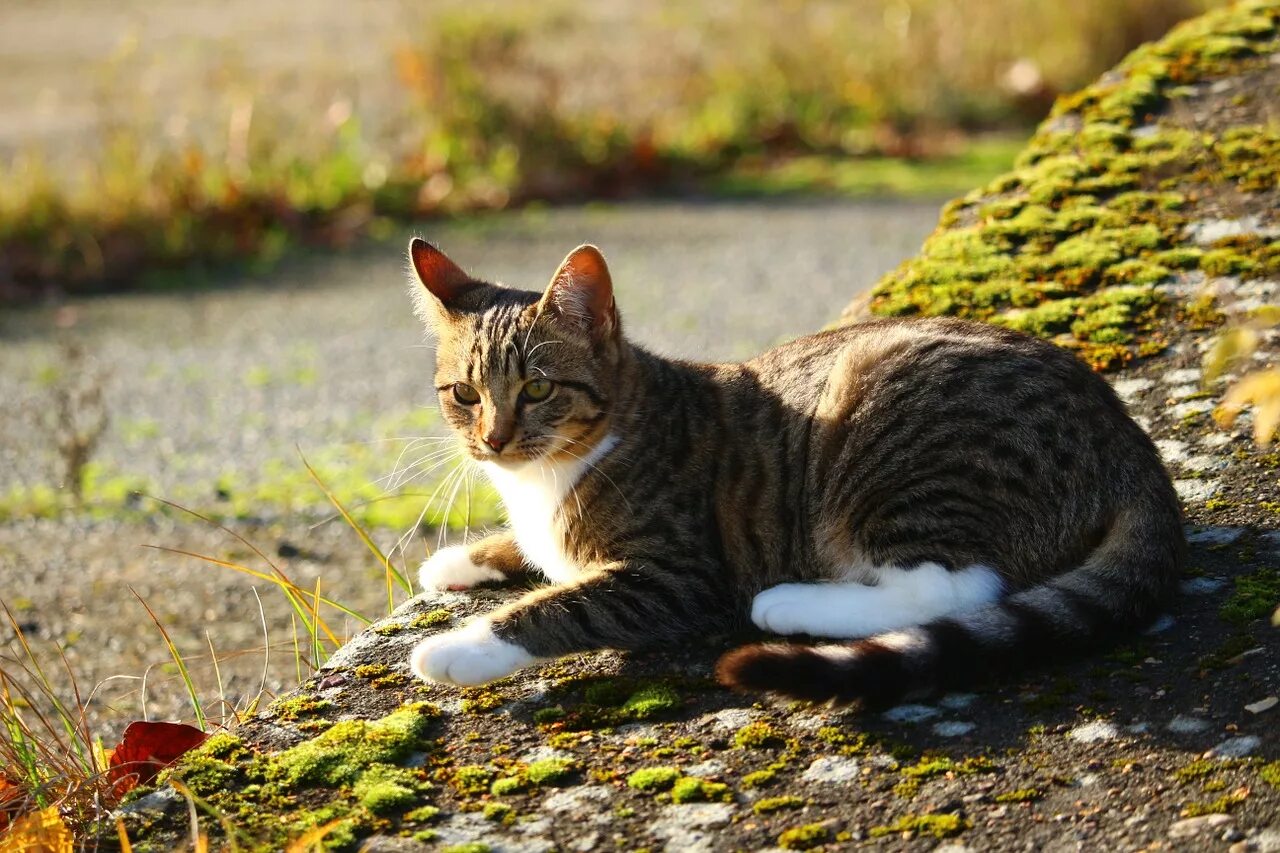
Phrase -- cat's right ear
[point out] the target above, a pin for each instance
(442, 281)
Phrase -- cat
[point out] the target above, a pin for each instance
(941, 498)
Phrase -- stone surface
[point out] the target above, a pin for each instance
(1112, 744)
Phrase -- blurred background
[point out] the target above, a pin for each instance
(202, 212)
(138, 137)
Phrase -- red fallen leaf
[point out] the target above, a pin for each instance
(148, 748)
(8, 791)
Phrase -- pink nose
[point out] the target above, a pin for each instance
(497, 442)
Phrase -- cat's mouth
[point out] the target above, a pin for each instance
(514, 454)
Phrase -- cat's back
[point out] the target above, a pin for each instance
(834, 369)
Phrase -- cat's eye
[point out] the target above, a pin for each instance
(537, 389)
(465, 394)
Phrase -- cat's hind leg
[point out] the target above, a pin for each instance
(898, 599)
(493, 559)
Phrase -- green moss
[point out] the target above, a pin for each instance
(478, 700)
(372, 670)
(1086, 210)
(805, 837)
(471, 779)
(222, 745)
(543, 716)
(293, 707)
(937, 825)
(344, 751)
(1254, 597)
(499, 813)
(928, 768)
(1225, 654)
(1195, 770)
(760, 778)
(422, 814)
(907, 789)
(848, 743)
(203, 774)
(1270, 773)
(508, 785)
(773, 804)
(651, 700)
(691, 789)
(431, 618)
(384, 790)
(551, 771)
(757, 735)
(1222, 805)
(388, 629)
(468, 847)
(653, 778)
(1021, 795)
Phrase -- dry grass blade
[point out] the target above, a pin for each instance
(201, 723)
(294, 593)
(312, 839)
(387, 566)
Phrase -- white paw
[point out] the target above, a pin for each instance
(467, 656)
(787, 608)
(451, 568)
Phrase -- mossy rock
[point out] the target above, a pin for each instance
(1156, 177)
(1100, 210)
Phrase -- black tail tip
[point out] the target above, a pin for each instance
(794, 671)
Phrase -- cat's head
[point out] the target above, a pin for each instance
(522, 376)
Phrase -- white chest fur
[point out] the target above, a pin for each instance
(532, 495)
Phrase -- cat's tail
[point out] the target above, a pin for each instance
(1120, 588)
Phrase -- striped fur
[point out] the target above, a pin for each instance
(843, 457)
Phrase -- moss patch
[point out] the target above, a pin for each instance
(757, 735)
(773, 804)
(937, 825)
(804, 837)
(653, 778)
(1071, 244)
(340, 754)
(691, 789)
(1254, 597)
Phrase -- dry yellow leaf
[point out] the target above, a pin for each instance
(1229, 347)
(1262, 390)
(39, 832)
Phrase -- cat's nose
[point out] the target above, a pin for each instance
(497, 442)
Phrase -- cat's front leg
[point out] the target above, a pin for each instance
(493, 559)
(623, 606)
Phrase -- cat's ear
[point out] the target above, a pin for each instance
(581, 293)
(442, 280)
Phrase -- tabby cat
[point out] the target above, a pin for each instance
(940, 498)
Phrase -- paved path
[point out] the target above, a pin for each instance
(226, 380)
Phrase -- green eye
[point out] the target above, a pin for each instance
(537, 389)
(465, 394)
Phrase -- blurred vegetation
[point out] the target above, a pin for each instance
(508, 105)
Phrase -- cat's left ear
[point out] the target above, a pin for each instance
(442, 281)
(581, 292)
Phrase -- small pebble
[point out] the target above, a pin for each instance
(911, 713)
(1190, 826)
(1183, 725)
(1201, 586)
(1195, 491)
(1262, 705)
(1098, 730)
(1237, 747)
